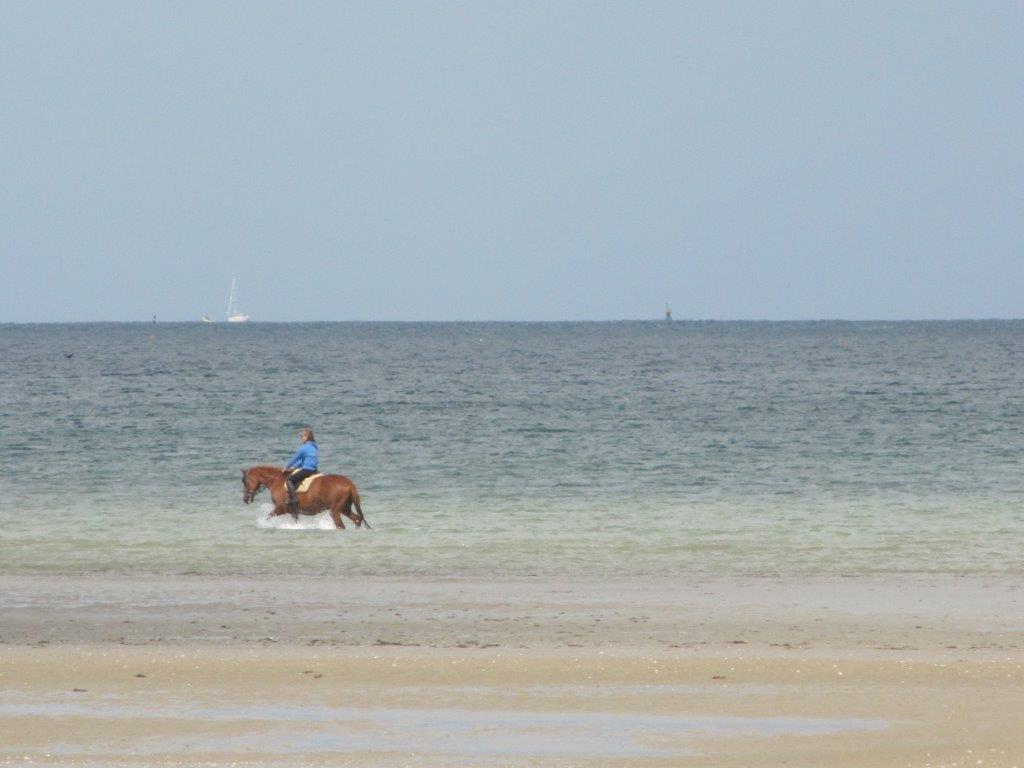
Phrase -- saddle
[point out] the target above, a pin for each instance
(304, 485)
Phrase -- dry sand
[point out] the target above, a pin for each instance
(922, 671)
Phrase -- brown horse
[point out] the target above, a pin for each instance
(334, 492)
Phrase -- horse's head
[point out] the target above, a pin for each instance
(250, 487)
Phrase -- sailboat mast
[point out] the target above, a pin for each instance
(231, 298)
(234, 315)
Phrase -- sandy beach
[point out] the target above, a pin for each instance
(910, 671)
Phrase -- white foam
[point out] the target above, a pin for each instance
(321, 522)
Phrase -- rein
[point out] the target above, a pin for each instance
(260, 485)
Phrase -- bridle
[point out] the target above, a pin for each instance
(248, 496)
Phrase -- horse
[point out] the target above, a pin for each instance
(334, 492)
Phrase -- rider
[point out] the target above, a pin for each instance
(304, 462)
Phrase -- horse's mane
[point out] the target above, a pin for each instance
(265, 469)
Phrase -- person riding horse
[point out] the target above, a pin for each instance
(304, 462)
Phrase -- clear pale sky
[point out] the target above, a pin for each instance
(533, 161)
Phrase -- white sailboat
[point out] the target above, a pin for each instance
(234, 316)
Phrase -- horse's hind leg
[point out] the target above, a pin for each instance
(346, 510)
(336, 517)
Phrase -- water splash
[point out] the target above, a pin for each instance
(321, 522)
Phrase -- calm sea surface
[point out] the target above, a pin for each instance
(505, 449)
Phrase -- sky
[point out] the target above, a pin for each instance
(511, 161)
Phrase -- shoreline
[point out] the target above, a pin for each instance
(864, 614)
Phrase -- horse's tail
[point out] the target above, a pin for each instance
(359, 509)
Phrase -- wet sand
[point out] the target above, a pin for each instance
(912, 613)
(860, 672)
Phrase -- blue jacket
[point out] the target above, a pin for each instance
(304, 458)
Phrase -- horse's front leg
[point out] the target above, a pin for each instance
(284, 508)
(281, 506)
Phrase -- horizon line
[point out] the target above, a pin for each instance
(661, 321)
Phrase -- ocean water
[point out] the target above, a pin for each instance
(518, 450)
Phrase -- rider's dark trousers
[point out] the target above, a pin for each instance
(296, 477)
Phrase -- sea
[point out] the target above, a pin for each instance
(515, 450)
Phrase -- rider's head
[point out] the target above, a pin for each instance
(306, 436)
